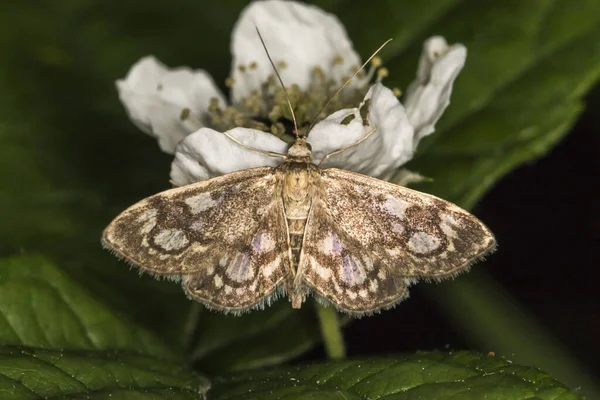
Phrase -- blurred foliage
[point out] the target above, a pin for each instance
(70, 160)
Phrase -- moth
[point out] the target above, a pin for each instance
(241, 240)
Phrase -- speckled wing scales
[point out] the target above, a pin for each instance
(337, 268)
(366, 240)
(225, 238)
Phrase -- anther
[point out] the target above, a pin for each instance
(185, 113)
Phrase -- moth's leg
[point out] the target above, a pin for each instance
(268, 153)
(359, 141)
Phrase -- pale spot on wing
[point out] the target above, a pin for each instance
(171, 239)
(396, 227)
(394, 251)
(223, 261)
(218, 282)
(322, 271)
(148, 218)
(395, 206)
(228, 289)
(331, 245)
(353, 272)
(200, 203)
(447, 223)
(381, 274)
(368, 263)
(423, 243)
(351, 294)
(363, 293)
(373, 285)
(210, 269)
(197, 225)
(263, 243)
(336, 286)
(239, 269)
(268, 269)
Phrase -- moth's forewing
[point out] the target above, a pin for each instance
(225, 238)
(367, 240)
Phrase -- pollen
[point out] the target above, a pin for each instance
(185, 113)
(382, 73)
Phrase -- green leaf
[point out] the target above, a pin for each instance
(30, 373)
(459, 375)
(41, 306)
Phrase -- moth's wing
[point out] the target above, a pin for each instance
(336, 267)
(375, 238)
(225, 237)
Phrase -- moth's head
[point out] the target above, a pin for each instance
(300, 149)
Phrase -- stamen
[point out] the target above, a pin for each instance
(241, 68)
(253, 65)
(213, 105)
(397, 92)
(229, 82)
(338, 59)
(382, 73)
(185, 113)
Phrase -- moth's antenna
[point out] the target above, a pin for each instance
(287, 97)
(346, 84)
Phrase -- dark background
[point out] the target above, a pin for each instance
(545, 218)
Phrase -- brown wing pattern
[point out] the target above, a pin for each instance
(225, 237)
(367, 239)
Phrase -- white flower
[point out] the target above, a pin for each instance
(167, 103)
(186, 112)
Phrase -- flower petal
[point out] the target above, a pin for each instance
(390, 146)
(208, 153)
(167, 103)
(301, 36)
(428, 96)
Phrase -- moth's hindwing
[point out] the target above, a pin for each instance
(366, 240)
(225, 238)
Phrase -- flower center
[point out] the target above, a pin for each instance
(266, 109)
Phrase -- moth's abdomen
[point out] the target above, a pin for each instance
(296, 229)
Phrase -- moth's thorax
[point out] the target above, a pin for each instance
(298, 184)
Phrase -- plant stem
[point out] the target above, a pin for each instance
(190, 324)
(331, 331)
